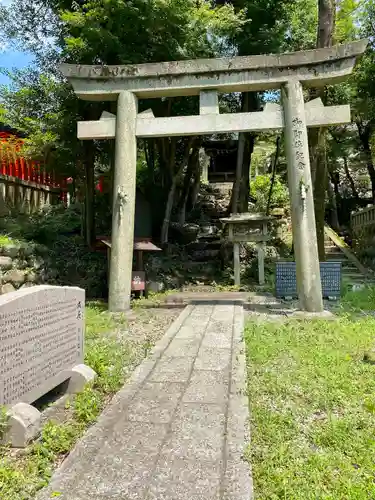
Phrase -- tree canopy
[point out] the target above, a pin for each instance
(39, 103)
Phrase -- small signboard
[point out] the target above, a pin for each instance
(138, 281)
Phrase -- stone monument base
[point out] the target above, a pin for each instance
(23, 423)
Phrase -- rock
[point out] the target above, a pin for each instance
(185, 233)
(207, 230)
(272, 252)
(20, 263)
(172, 282)
(7, 288)
(15, 276)
(155, 286)
(278, 212)
(5, 262)
(206, 254)
(11, 250)
(51, 274)
(31, 277)
(357, 287)
(27, 250)
(37, 263)
(41, 249)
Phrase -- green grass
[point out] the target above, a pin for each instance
(312, 401)
(23, 474)
(361, 300)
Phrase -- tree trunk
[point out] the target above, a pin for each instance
(317, 137)
(239, 169)
(350, 179)
(197, 179)
(192, 166)
(89, 159)
(172, 192)
(333, 204)
(273, 170)
(365, 132)
(245, 177)
(326, 23)
(320, 195)
(241, 186)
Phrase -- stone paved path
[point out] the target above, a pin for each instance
(178, 430)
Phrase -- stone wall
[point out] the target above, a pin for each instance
(20, 266)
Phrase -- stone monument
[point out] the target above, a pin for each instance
(206, 78)
(41, 346)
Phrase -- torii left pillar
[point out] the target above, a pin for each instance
(123, 210)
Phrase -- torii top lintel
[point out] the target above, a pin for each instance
(177, 78)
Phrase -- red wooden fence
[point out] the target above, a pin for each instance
(29, 171)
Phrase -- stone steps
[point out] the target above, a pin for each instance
(350, 273)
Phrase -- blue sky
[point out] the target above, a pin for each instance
(10, 58)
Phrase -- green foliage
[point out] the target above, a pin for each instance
(260, 188)
(176, 29)
(56, 231)
(312, 418)
(347, 16)
(38, 105)
(301, 34)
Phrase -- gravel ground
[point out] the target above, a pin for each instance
(149, 325)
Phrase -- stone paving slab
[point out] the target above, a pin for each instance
(178, 429)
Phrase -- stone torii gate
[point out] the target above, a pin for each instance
(206, 78)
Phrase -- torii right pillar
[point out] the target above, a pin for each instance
(301, 198)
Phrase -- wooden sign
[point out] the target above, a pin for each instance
(138, 281)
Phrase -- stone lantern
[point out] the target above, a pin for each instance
(243, 228)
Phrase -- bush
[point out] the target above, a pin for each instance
(260, 189)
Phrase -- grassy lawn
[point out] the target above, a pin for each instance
(312, 401)
(23, 473)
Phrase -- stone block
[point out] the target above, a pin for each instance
(173, 369)
(26, 250)
(11, 251)
(5, 262)
(183, 347)
(20, 263)
(207, 387)
(37, 263)
(185, 479)
(23, 425)
(155, 286)
(80, 375)
(155, 402)
(31, 277)
(212, 358)
(7, 288)
(15, 276)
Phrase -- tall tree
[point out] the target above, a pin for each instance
(121, 32)
(317, 139)
(265, 32)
